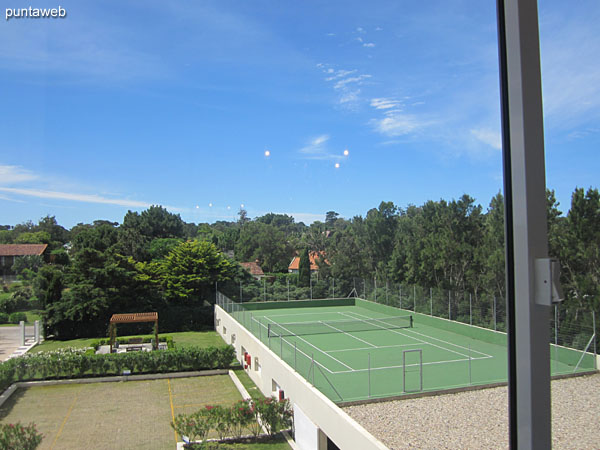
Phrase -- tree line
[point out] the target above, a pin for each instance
(154, 260)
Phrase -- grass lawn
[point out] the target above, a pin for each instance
(248, 383)
(127, 415)
(181, 339)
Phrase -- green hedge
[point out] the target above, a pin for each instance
(71, 363)
(145, 340)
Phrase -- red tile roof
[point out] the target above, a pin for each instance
(312, 256)
(22, 249)
(253, 268)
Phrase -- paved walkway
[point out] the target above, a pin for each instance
(10, 341)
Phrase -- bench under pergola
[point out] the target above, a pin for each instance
(132, 318)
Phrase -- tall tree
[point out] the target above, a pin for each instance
(304, 269)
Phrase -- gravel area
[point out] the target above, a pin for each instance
(479, 419)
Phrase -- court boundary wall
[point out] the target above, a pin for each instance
(273, 371)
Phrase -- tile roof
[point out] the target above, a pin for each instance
(253, 268)
(22, 249)
(312, 256)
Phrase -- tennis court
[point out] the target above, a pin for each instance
(352, 349)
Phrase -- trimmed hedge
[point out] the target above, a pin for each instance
(71, 363)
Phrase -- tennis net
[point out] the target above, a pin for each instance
(338, 326)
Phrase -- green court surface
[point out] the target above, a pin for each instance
(356, 350)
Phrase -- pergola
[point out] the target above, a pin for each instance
(133, 318)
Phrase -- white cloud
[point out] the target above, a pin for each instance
(384, 103)
(341, 84)
(338, 74)
(15, 174)
(317, 149)
(397, 124)
(86, 198)
(368, 44)
(488, 137)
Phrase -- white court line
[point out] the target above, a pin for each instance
(408, 365)
(302, 339)
(450, 343)
(369, 348)
(407, 335)
(347, 333)
(305, 314)
(290, 344)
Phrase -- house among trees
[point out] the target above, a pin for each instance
(294, 266)
(8, 253)
(254, 269)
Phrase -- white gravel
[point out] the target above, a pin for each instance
(479, 419)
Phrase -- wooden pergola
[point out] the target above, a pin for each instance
(133, 318)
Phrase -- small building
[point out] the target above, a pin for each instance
(8, 253)
(294, 266)
(254, 269)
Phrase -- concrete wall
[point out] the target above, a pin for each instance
(345, 432)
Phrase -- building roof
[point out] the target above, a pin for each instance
(134, 317)
(22, 249)
(253, 268)
(312, 256)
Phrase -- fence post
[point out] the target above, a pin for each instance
(449, 295)
(414, 298)
(400, 292)
(594, 331)
(430, 302)
(494, 307)
(470, 310)
(36, 332)
(375, 282)
(369, 372)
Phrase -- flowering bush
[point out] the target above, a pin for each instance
(232, 421)
(19, 437)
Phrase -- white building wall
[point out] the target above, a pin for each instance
(344, 431)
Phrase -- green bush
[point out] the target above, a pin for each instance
(3, 317)
(19, 437)
(72, 363)
(16, 317)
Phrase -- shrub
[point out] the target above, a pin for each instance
(275, 415)
(16, 317)
(70, 363)
(3, 317)
(19, 437)
(194, 426)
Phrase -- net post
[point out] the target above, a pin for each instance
(411, 321)
(369, 372)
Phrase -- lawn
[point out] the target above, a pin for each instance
(132, 415)
(181, 340)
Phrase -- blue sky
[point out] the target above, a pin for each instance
(124, 104)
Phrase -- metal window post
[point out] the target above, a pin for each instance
(525, 223)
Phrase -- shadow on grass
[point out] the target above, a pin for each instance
(9, 404)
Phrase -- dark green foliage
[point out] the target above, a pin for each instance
(17, 317)
(304, 269)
